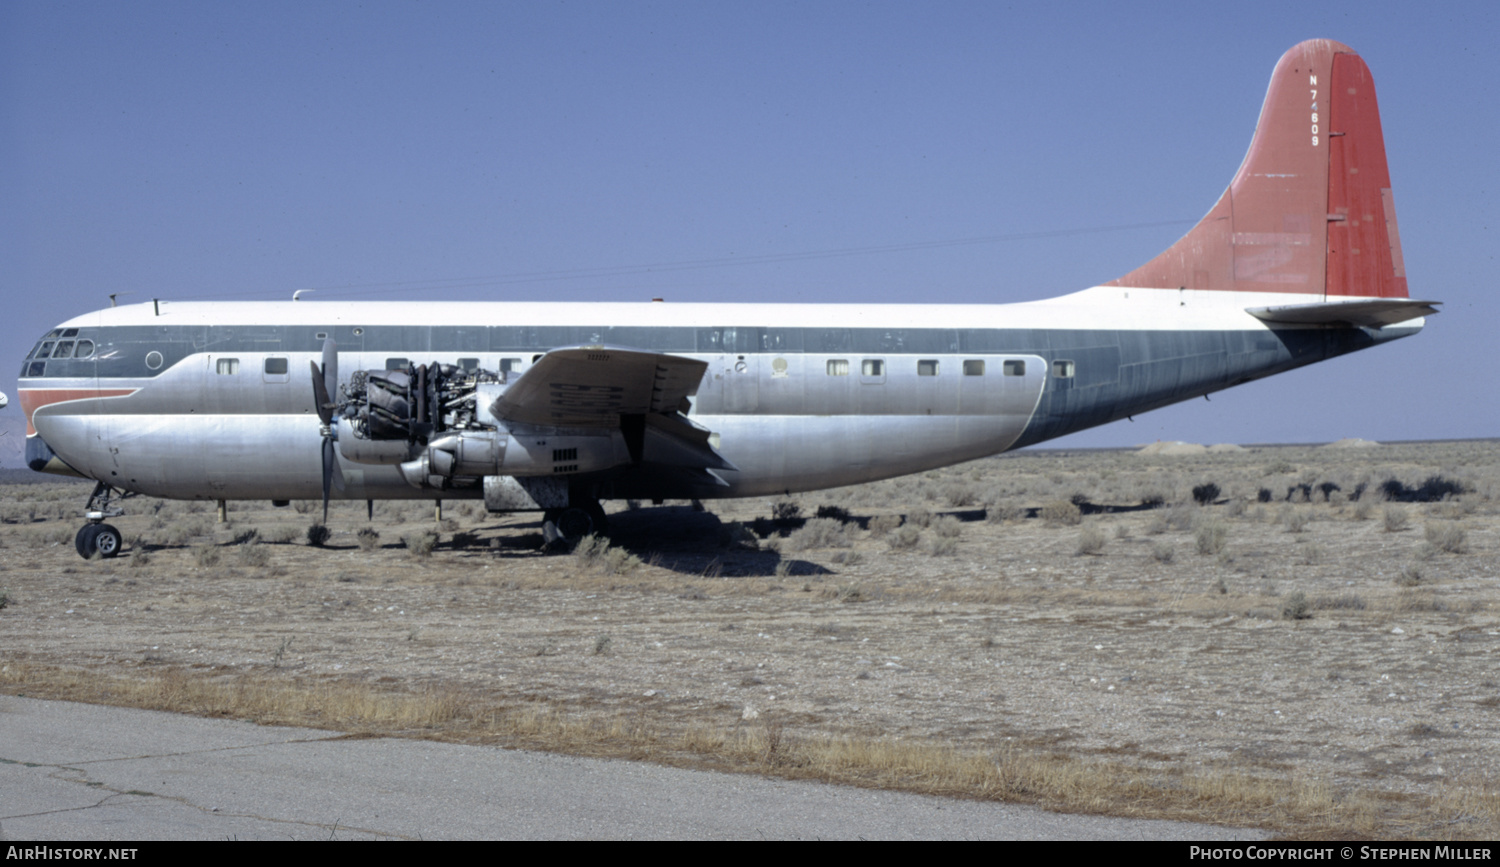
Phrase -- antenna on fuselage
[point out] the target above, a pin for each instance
(297, 296)
(114, 295)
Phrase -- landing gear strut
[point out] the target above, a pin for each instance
(569, 526)
(97, 537)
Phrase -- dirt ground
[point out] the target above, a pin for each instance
(1284, 628)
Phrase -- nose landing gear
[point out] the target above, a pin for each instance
(97, 537)
(101, 539)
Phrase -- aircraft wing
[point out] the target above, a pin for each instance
(644, 394)
(592, 386)
(1365, 314)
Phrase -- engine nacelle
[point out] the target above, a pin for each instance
(500, 453)
(367, 451)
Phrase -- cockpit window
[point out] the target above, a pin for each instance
(46, 350)
(64, 349)
(85, 349)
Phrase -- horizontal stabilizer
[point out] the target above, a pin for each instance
(1362, 314)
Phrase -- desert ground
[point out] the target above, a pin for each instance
(1298, 638)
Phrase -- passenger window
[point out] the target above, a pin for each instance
(927, 367)
(276, 366)
(1015, 368)
(838, 367)
(397, 364)
(872, 367)
(64, 349)
(974, 367)
(509, 364)
(468, 364)
(227, 366)
(1062, 369)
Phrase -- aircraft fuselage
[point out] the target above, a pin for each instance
(212, 400)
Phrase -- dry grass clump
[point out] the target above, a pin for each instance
(1210, 536)
(280, 534)
(317, 535)
(596, 553)
(819, 533)
(944, 546)
(736, 536)
(947, 527)
(254, 555)
(1446, 536)
(368, 538)
(904, 538)
(181, 531)
(1296, 607)
(420, 543)
(1341, 602)
(883, 524)
(1062, 513)
(1394, 518)
(206, 556)
(959, 495)
(1091, 540)
(1001, 513)
(919, 518)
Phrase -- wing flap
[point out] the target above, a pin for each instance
(675, 441)
(1363, 314)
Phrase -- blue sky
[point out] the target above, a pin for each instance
(543, 150)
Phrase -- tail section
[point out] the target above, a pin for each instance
(1310, 209)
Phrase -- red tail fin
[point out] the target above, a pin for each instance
(1310, 209)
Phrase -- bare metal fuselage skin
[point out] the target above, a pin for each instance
(213, 400)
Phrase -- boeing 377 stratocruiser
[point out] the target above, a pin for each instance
(554, 407)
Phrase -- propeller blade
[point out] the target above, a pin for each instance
(320, 395)
(330, 460)
(330, 367)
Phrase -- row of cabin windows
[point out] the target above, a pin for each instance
(930, 366)
(274, 366)
(277, 366)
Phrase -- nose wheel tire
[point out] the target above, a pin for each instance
(101, 539)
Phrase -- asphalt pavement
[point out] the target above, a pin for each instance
(85, 772)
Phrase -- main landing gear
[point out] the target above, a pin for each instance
(567, 527)
(97, 538)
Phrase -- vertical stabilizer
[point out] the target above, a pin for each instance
(1310, 209)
